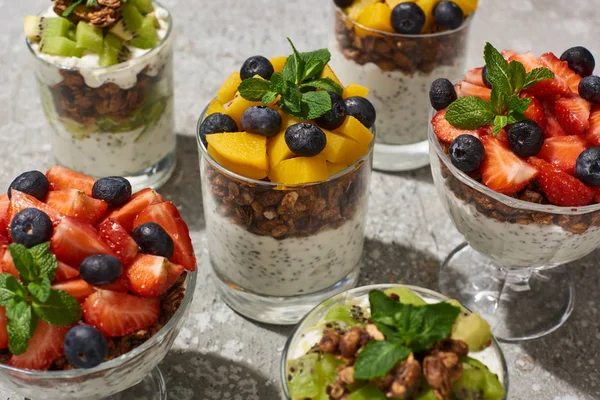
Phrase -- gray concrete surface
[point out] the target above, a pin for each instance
(220, 355)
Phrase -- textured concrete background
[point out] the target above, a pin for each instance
(220, 355)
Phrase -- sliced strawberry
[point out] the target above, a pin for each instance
(475, 76)
(151, 276)
(3, 331)
(502, 170)
(77, 288)
(65, 178)
(561, 188)
(553, 128)
(593, 131)
(4, 219)
(44, 347)
(20, 201)
(65, 272)
(118, 314)
(121, 285)
(167, 216)
(546, 87)
(117, 238)
(562, 152)
(7, 266)
(489, 131)
(573, 114)
(507, 54)
(125, 215)
(464, 89)
(561, 68)
(446, 132)
(73, 240)
(536, 113)
(75, 203)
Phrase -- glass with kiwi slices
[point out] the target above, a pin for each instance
(105, 76)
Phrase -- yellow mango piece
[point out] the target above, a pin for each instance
(334, 168)
(467, 6)
(229, 88)
(237, 107)
(300, 170)
(356, 131)
(394, 3)
(355, 89)
(244, 170)
(427, 6)
(377, 16)
(215, 106)
(241, 148)
(340, 149)
(328, 73)
(357, 7)
(278, 63)
(277, 148)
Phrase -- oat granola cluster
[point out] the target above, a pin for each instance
(104, 14)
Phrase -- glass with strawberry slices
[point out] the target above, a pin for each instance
(516, 161)
(95, 282)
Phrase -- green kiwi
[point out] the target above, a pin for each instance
(37, 28)
(340, 312)
(473, 330)
(113, 52)
(146, 37)
(477, 382)
(303, 373)
(426, 394)
(127, 27)
(59, 46)
(144, 6)
(368, 392)
(89, 37)
(407, 296)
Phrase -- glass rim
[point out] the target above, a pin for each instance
(190, 281)
(117, 67)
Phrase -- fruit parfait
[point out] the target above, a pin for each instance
(389, 341)
(397, 48)
(95, 285)
(285, 166)
(516, 160)
(105, 77)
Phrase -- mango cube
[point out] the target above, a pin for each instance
(299, 170)
(215, 106)
(357, 7)
(241, 148)
(334, 168)
(278, 63)
(355, 89)
(467, 6)
(328, 73)
(229, 88)
(277, 148)
(394, 3)
(237, 107)
(342, 150)
(427, 6)
(377, 16)
(356, 131)
(244, 170)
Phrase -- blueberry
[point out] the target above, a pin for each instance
(408, 18)
(33, 183)
(261, 120)
(114, 190)
(305, 140)
(335, 117)
(216, 123)
(441, 93)
(361, 109)
(343, 3)
(153, 239)
(448, 15)
(85, 346)
(580, 60)
(525, 138)
(257, 65)
(100, 269)
(589, 88)
(484, 75)
(31, 227)
(466, 153)
(587, 167)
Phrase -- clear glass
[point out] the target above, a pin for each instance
(512, 269)
(297, 344)
(398, 69)
(275, 251)
(109, 378)
(113, 121)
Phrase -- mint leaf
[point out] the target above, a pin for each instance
(327, 84)
(517, 74)
(498, 101)
(299, 64)
(514, 117)
(500, 123)
(15, 307)
(60, 309)
(313, 69)
(378, 358)
(20, 330)
(254, 89)
(269, 97)
(498, 73)
(24, 263)
(517, 104)
(40, 290)
(383, 308)
(289, 70)
(292, 98)
(322, 55)
(10, 288)
(316, 104)
(470, 113)
(277, 82)
(45, 260)
(70, 9)
(536, 75)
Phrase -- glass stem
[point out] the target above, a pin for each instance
(516, 280)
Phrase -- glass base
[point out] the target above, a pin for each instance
(153, 387)
(519, 304)
(155, 176)
(397, 158)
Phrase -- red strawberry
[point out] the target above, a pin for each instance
(446, 132)
(507, 54)
(77, 288)
(73, 240)
(573, 114)
(553, 128)
(561, 188)
(65, 178)
(535, 112)
(20, 201)
(118, 240)
(3, 331)
(562, 152)
(65, 272)
(489, 131)
(7, 266)
(593, 131)
(464, 89)
(75, 203)
(44, 347)
(4, 218)
(151, 276)
(167, 216)
(118, 314)
(121, 285)
(125, 215)
(546, 87)
(561, 68)
(502, 170)
(475, 76)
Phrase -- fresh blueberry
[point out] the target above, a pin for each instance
(361, 109)
(85, 346)
(100, 269)
(305, 140)
(33, 183)
(589, 88)
(448, 15)
(525, 138)
(587, 167)
(580, 60)
(261, 120)
(408, 18)
(153, 239)
(335, 117)
(216, 123)
(441, 93)
(343, 3)
(484, 76)
(31, 227)
(466, 153)
(114, 190)
(257, 65)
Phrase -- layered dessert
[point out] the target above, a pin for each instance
(397, 48)
(370, 344)
(516, 155)
(104, 71)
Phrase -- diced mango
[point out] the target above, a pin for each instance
(427, 6)
(328, 73)
(215, 106)
(394, 3)
(334, 168)
(340, 149)
(277, 148)
(237, 107)
(353, 129)
(377, 16)
(278, 63)
(244, 170)
(229, 88)
(299, 170)
(467, 6)
(355, 89)
(357, 7)
(241, 148)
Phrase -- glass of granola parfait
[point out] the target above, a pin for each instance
(393, 341)
(516, 162)
(397, 48)
(285, 177)
(105, 77)
(96, 283)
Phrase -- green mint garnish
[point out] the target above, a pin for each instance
(378, 358)
(33, 298)
(505, 106)
(70, 9)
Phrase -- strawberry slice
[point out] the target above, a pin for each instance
(502, 170)
(7, 266)
(75, 203)
(118, 314)
(4, 219)
(553, 128)
(65, 178)
(535, 112)
(20, 201)
(546, 87)
(561, 68)
(151, 276)
(489, 131)
(44, 347)
(121, 285)
(65, 272)
(446, 132)
(562, 152)
(117, 238)
(464, 89)
(77, 288)
(125, 215)
(573, 114)
(73, 240)
(561, 188)
(507, 54)
(475, 76)
(3, 331)
(593, 131)
(167, 216)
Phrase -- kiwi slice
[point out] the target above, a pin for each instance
(426, 394)
(37, 28)
(477, 382)
(113, 51)
(407, 296)
(368, 392)
(303, 373)
(59, 46)
(340, 312)
(132, 21)
(146, 37)
(144, 6)
(89, 37)
(473, 330)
